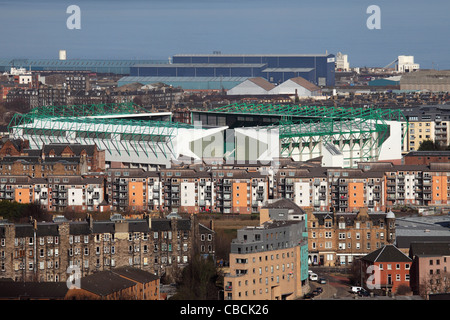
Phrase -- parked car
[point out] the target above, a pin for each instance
(313, 277)
(308, 295)
(322, 280)
(355, 289)
(363, 293)
(319, 289)
(316, 292)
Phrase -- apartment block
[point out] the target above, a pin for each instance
(266, 261)
(420, 185)
(427, 123)
(43, 251)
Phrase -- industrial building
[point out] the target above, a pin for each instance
(92, 65)
(295, 87)
(187, 83)
(431, 80)
(318, 69)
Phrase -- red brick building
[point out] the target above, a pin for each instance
(426, 157)
(386, 269)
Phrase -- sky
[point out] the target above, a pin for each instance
(158, 29)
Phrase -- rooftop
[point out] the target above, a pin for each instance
(388, 253)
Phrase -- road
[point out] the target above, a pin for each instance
(336, 286)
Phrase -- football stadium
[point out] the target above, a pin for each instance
(131, 135)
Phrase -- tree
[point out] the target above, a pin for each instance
(20, 212)
(198, 281)
(428, 145)
(434, 283)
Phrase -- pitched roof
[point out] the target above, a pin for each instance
(104, 283)
(32, 290)
(305, 83)
(284, 203)
(135, 274)
(60, 147)
(263, 83)
(388, 253)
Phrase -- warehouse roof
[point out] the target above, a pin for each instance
(288, 69)
(305, 83)
(202, 65)
(252, 55)
(189, 83)
(76, 62)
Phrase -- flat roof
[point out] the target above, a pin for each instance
(155, 79)
(253, 55)
(203, 65)
(288, 70)
(133, 115)
(77, 62)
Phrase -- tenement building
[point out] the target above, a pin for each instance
(44, 251)
(339, 238)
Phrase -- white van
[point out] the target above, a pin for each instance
(355, 289)
(313, 277)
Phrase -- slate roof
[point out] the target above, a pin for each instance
(79, 228)
(135, 274)
(32, 290)
(430, 248)
(47, 229)
(406, 241)
(23, 231)
(164, 224)
(284, 203)
(104, 283)
(103, 227)
(388, 253)
(84, 228)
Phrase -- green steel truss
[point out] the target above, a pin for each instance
(368, 135)
(310, 112)
(66, 124)
(313, 127)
